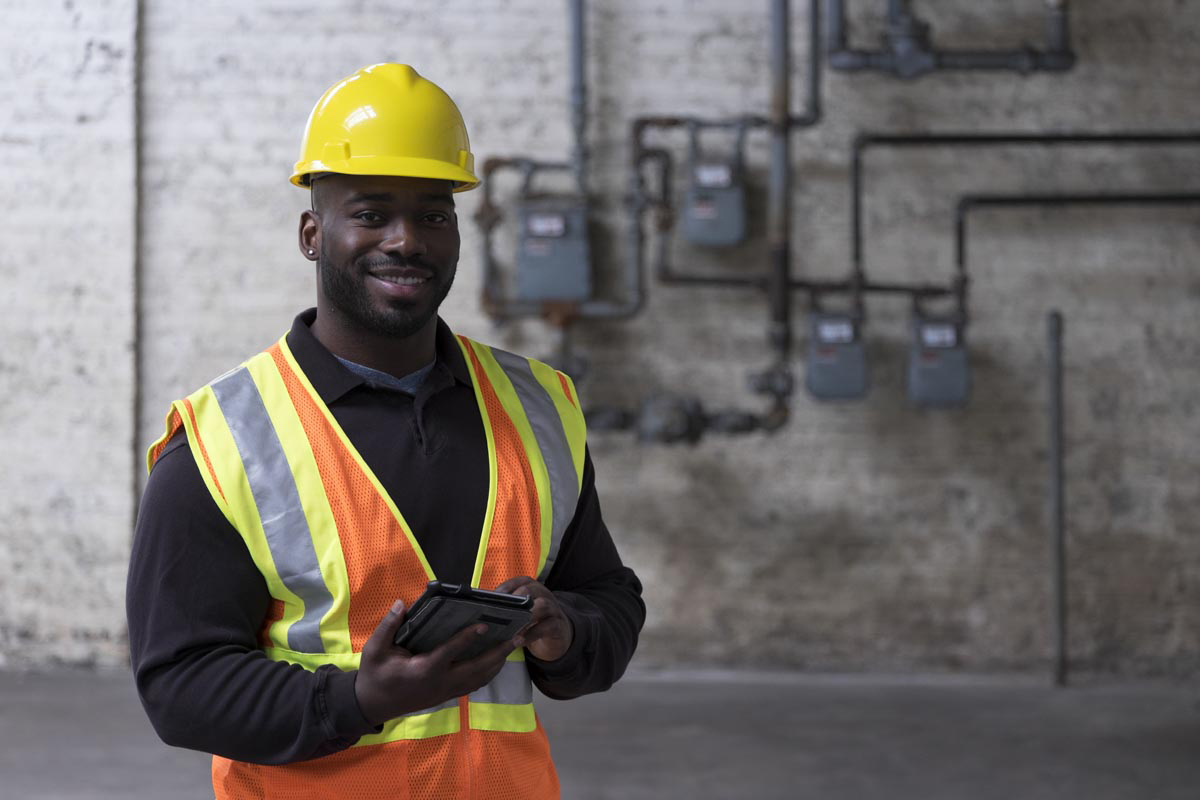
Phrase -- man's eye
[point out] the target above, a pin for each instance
(369, 217)
(437, 218)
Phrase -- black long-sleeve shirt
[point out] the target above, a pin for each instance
(196, 602)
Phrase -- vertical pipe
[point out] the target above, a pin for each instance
(898, 9)
(856, 207)
(578, 94)
(1058, 26)
(779, 183)
(1057, 506)
(138, 266)
(813, 110)
(835, 32)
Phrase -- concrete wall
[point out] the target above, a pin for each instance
(66, 492)
(863, 536)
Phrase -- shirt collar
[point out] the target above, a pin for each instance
(333, 381)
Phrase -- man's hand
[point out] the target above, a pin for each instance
(549, 634)
(392, 681)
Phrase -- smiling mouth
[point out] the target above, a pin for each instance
(402, 280)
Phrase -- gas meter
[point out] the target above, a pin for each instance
(939, 373)
(714, 205)
(837, 359)
(553, 259)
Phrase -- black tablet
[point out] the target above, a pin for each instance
(446, 608)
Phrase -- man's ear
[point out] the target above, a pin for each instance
(310, 235)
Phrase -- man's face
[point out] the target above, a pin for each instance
(388, 251)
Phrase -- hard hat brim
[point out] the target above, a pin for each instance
(395, 166)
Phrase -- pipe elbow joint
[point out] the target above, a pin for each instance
(1056, 60)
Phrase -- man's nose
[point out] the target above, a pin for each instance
(404, 239)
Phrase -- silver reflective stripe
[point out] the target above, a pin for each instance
(552, 441)
(278, 501)
(511, 687)
(453, 703)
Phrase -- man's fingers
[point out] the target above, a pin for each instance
(459, 643)
(385, 631)
(511, 585)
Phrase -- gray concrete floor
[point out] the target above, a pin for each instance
(705, 735)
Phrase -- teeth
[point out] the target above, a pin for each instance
(402, 280)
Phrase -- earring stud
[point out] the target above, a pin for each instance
(311, 251)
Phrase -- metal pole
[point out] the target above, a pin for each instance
(1054, 325)
(578, 93)
(898, 9)
(779, 183)
(138, 237)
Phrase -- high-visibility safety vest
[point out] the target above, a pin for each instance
(336, 552)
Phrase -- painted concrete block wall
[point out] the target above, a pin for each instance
(66, 138)
(863, 536)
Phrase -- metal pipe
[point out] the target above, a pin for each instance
(865, 141)
(1024, 59)
(908, 52)
(138, 354)
(1057, 503)
(967, 203)
(779, 184)
(661, 203)
(578, 93)
(1058, 27)
(899, 9)
(835, 30)
(812, 105)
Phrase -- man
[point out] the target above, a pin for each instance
(298, 504)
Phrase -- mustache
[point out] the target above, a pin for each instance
(368, 263)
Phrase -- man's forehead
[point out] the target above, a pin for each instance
(344, 188)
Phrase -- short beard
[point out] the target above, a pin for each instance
(344, 291)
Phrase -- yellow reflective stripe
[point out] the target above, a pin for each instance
(512, 717)
(511, 683)
(238, 506)
(493, 467)
(511, 401)
(322, 528)
(418, 725)
(496, 717)
(573, 421)
(346, 662)
(358, 459)
(190, 431)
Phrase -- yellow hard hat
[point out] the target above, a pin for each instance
(387, 120)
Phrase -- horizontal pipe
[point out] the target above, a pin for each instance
(866, 141)
(907, 51)
(1025, 59)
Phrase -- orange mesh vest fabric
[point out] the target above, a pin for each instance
(382, 565)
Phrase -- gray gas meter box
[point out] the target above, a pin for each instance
(714, 205)
(939, 372)
(553, 259)
(837, 358)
